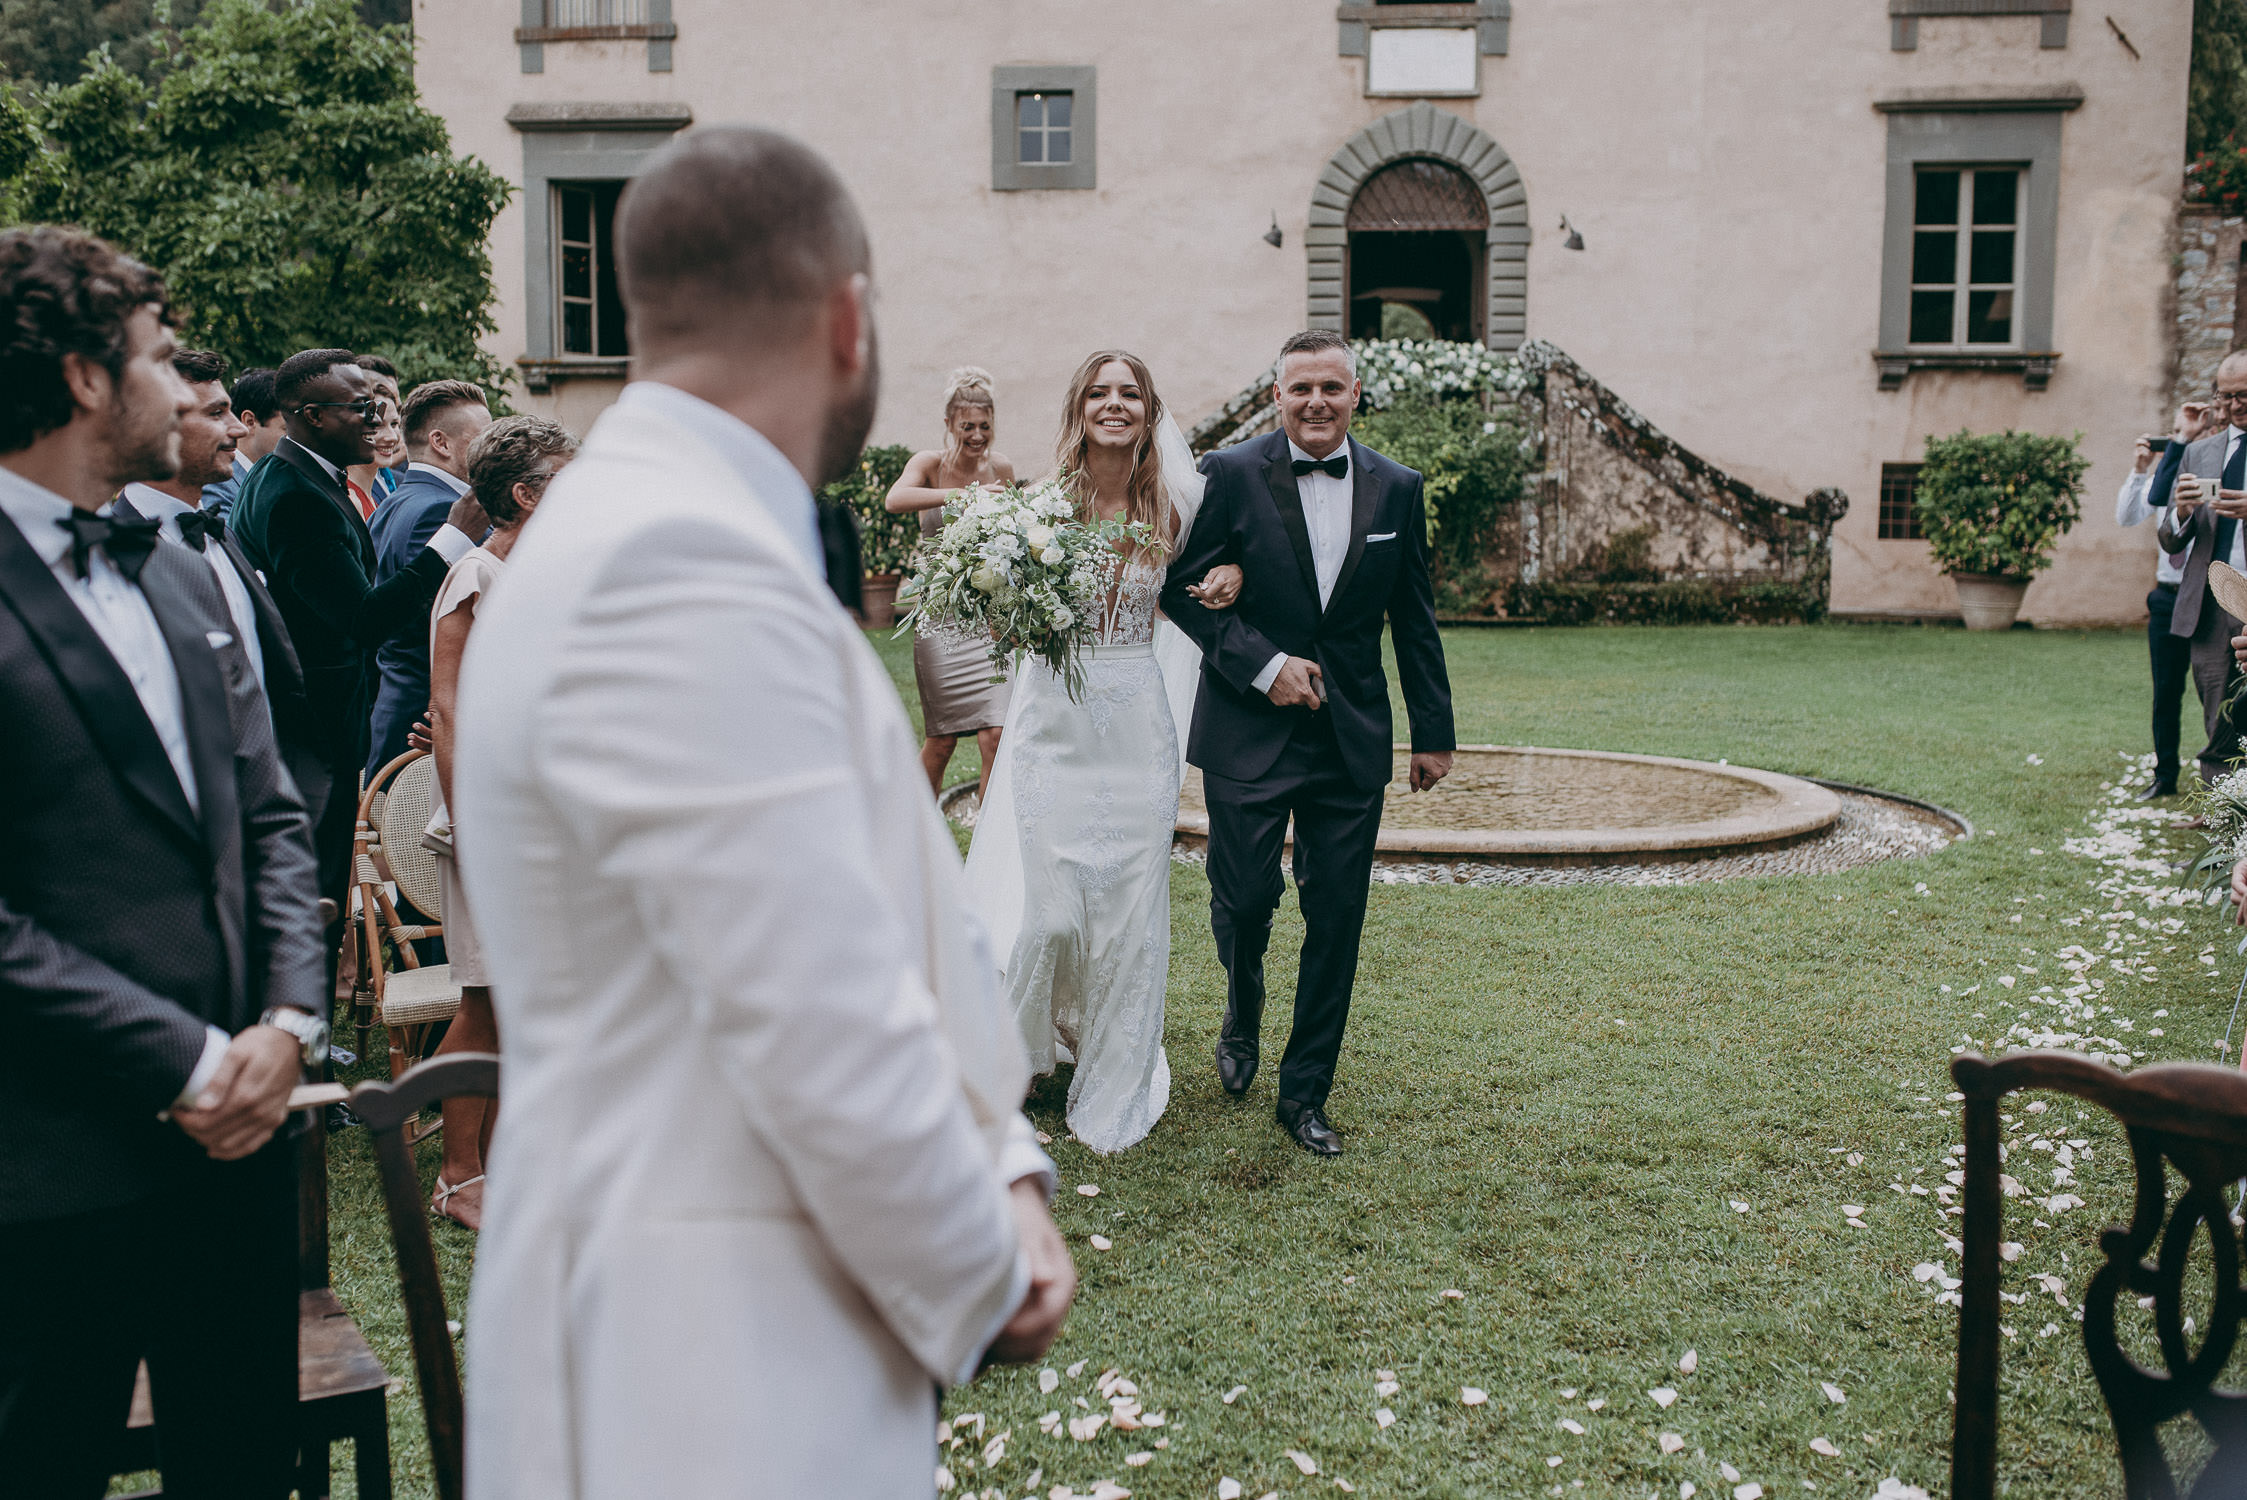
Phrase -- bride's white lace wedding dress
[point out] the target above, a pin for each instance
(1070, 868)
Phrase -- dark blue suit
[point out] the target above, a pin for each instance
(402, 525)
(218, 498)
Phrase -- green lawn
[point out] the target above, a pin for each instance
(1552, 1097)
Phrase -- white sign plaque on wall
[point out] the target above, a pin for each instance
(1421, 60)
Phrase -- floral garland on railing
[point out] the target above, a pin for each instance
(1395, 369)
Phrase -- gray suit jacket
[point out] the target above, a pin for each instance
(127, 920)
(2196, 538)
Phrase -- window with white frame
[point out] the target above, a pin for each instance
(588, 311)
(1966, 256)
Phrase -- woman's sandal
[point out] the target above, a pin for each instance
(441, 1204)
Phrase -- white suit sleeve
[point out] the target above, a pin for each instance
(703, 743)
(2130, 502)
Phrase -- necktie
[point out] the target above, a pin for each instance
(197, 527)
(2234, 478)
(1334, 468)
(127, 543)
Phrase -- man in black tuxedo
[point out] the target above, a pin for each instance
(160, 986)
(295, 521)
(208, 438)
(1292, 718)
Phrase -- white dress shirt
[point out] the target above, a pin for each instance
(452, 481)
(2168, 525)
(120, 615)
(749, 453)
(158, 506)
(1328, 504)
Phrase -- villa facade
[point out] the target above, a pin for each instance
(1798, 238)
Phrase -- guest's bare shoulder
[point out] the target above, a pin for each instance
(1003, 466)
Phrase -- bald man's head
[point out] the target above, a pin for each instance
(733, 236)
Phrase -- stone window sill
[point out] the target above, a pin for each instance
(541, 375)
(646, 32)
(2033, 366)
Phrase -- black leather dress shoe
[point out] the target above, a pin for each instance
(2158, 789)
(1236, 1064)
(1307, 1123)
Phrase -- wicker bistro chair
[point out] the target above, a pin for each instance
(389, 1110)
(411, 998)
(2190, 1116)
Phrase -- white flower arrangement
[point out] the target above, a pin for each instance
(2223, 808)
(1016, 564)
(1392, 369)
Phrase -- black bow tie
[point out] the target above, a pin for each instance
(197, 527)
(1336, 467)
(128, 543)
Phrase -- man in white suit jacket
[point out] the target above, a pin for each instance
(762, 1180)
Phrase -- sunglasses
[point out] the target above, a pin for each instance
(366, 407)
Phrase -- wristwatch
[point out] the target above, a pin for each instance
(312, 1032)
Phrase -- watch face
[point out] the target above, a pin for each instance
(316, 1037)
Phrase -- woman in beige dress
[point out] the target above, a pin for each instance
(951, 667)
(509, 466)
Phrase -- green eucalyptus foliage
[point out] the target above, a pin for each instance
(1997, 502)
(282, 175)
(1471, 463)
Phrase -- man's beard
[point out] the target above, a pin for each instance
(146, 442)
(849, 420)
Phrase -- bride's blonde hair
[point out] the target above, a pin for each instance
(1144, 499)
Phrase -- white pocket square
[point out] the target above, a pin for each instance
(1381, 536)
(219, 639)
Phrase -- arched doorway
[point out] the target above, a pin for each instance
(1418, 233)
(1349, 252)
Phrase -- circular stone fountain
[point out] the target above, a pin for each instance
(1514, 805)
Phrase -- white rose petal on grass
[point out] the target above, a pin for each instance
(1824, 1446)
(1685, 1488)
(1595, 1403)
(1472, 1395)
(1672, 1442)
(1552, 1461)
(1386, 1388)
(1345, 1486)
(1228, 1489)
(1738, 1207)
(2007, 980)
(1688, 1363)
(944, 1479)
(1085, 1429)
(1454, 1293)
(1749, 1491)
(2010, 1250)
(1833, 1392)
(1102, 1242)
(1108, 1489)
(1078, 1368)
(1302, 1461)
(1662, 1396)
(1088, 1189)
(1139, 1460)
(1048, 1381)
(1926, 1270)
(1572, 1426)
(1384, 1417)
(1731, 1475)
(1234, 1394)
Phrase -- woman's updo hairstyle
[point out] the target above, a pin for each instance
(967, 386)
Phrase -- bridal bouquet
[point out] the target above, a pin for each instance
(1015, 564)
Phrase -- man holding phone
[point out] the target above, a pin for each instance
(2201, 526)
(2145, 490)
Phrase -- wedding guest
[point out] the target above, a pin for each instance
(261, 429)
(294, 522)
(159, 939)
(2199, 526)
(2172, 658)
(376, 480)
(441, 419)
(763, 1180)
(510, 465)
(953, 670)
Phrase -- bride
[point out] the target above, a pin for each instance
(1070, 867)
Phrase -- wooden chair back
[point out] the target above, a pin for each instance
(389, 1110)
(409, 998)
(2190, 1116)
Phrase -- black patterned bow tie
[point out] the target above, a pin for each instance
(199, 526)
(1336, 467)
(128, 543)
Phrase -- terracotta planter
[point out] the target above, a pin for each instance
(1987, 601)
(877, 600)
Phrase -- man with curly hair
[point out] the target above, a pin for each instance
(160, 970)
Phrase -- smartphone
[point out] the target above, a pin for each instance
(2157, 445)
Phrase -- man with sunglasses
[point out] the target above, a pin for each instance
(2200, 527)
(297, 524)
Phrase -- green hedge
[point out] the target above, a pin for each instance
(1681, 601)
(1471, 463)
(1998, 502)
(886, 541)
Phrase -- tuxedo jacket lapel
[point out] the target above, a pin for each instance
(1279, 477)
(273, 635)
(95, 681)
(337, 494)
(1365, 501)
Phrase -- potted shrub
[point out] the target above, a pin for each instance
(886, 541)
(1991, 505)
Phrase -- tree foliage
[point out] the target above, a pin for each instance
(1997, 502)
(283, 176)
(2216, 97)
